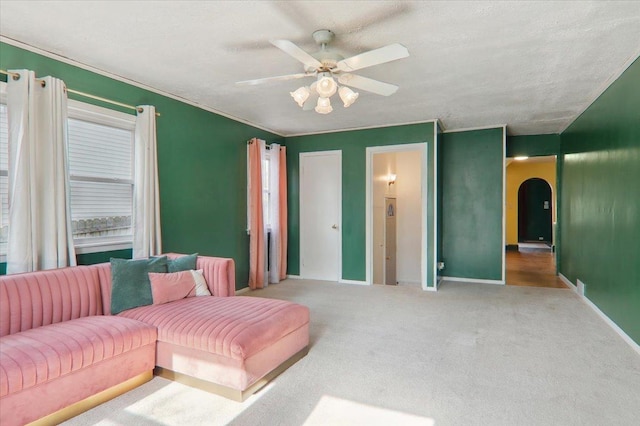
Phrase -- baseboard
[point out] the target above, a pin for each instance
(580, 291)
(243, 290)
(294, 277)
(612, 324)
(472, 280)
(410, 283)
(511, 247)
(567, 282)
(352, 282)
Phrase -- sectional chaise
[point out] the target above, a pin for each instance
(62, 352)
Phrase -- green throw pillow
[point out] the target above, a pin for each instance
(130, 286)
(182, 263)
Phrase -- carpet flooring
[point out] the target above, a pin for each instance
(470, 354)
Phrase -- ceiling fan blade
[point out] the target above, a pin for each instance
(278, 78)
(291, 49)
(311, 102)
(368, 84)
(374, 57)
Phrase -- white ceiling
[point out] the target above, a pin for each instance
(534, 66)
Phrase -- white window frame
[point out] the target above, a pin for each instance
(266, 165)
(104, 116)
(266, 191)
(94, 114)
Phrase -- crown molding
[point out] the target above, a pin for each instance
(353, 129)
(470, 129)
(60, 58)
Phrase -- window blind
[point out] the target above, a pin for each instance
(100, 165)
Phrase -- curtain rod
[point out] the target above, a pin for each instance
(16, 76)
(267, 146)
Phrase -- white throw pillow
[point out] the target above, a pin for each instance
(201, 284)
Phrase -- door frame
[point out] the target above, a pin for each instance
(551, 201)
(302, 157)
(423, 148)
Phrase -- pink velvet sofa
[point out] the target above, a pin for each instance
(61, 352)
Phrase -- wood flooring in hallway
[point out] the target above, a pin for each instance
(532, 268)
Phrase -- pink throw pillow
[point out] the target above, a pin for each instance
(171, 286)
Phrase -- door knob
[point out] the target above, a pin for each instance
(334, 226)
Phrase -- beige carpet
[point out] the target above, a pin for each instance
(470, 354)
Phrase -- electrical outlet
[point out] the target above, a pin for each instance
(581, 287)
(440, 266)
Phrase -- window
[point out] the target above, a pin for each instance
(101, 176)
(266, 193)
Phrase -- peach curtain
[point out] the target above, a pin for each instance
(257, 244)
(283, 212)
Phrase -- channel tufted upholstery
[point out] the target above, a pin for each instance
(236, 327)
(36, 299)
(42, 354)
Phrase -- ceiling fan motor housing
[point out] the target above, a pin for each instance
(323, 36)
(327, 58)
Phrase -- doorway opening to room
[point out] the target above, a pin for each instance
(396, 215)
(531, 221)
(535, 221)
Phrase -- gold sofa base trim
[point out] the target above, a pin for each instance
(225, 391)
(93, 401)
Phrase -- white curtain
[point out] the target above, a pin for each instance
(40, 235)
(147, 239)
(274, 213)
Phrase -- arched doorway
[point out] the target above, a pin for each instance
(535, 211)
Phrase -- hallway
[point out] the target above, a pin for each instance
(532, 268)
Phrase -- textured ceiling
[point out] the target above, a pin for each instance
(533, 66)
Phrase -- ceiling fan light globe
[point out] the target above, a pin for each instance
(348, 96)
(326, 86)
(323, 106)
(300, 95)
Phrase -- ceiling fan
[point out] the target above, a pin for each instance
(325, 65)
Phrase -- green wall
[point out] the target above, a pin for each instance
(472, 204)
(201, 162)
(600, 197)
(533, 145)
(353, 145)
(100, 257)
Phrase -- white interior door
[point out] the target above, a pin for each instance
(321, 215)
